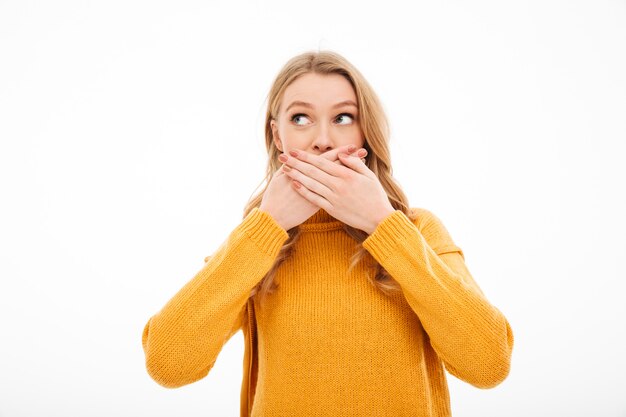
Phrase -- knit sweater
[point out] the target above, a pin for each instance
(327, 342)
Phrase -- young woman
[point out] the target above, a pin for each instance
(352, 303)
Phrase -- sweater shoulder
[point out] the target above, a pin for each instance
(434, 230)
(425, 220)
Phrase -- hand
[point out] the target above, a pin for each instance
(284, 203)
(350, 191)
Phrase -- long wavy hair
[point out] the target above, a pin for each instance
(375, 128)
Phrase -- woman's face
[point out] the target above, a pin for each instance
(318, 113)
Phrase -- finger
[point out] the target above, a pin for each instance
(321, 163)
(338, 161)
(316, 167)
(355, 163)
(314, 198)
(310, 183)
(332, 154)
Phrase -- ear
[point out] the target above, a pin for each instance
(275, 137)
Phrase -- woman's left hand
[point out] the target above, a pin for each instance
(350, 192)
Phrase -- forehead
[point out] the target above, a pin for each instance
(320, 90)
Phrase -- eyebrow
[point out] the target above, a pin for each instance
(309, 105)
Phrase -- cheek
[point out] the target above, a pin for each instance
(357, 138)
(294, 138)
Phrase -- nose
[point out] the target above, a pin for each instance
(322, 141)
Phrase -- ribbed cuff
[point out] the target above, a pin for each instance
(265, 231)
(392, 230)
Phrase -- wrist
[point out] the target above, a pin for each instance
(276, 219)
(381, 216)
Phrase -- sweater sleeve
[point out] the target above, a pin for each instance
(472, 337)
(181, 341)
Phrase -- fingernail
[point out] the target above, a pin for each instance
(362, 152)
(282, 158)
(351, 148)
(293, 153)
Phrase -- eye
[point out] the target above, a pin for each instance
(342, 115)
(297, 115)
(346, 114)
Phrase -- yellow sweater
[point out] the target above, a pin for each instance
(327, 342)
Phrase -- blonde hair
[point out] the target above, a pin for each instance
(375, 129)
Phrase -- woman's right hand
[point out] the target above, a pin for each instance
(285, 204)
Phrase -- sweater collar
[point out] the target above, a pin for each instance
(320, 221)
(321, 216)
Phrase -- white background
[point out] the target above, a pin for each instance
(131, 138)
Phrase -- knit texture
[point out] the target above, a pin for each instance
(327, 342)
